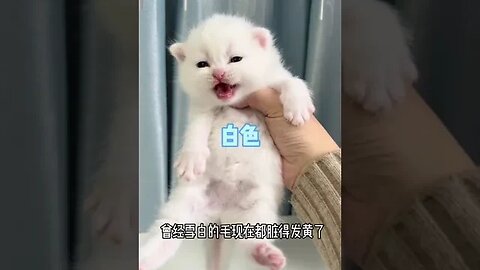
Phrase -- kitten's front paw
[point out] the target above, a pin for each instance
(191, 164)
(110, 207)
(376, 62)
(297, 103)
(379, 82)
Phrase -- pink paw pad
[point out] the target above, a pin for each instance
(270, 256)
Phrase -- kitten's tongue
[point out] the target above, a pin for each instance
(223, 91)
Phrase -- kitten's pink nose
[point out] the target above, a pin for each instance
(218, 73)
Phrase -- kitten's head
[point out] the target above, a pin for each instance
(223, 59)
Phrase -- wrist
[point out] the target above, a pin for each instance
(320, 144)
(322, 148)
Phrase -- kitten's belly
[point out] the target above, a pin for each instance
(241, 162)
(239, 176)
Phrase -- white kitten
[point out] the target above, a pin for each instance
(376, 61)
(223, 60)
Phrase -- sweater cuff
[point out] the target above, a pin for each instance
(316, 199)
(439, 231)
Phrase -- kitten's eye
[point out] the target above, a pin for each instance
(202, 64)
(236, 59)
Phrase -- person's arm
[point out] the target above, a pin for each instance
(438, 231)
(316, 198)
(311, 169)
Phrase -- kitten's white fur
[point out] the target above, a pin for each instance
(228, 185)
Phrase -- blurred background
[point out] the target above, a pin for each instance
(307, 33)
(70, 117)
(445, 42)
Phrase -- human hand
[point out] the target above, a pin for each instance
(387, 160)
(298, 145)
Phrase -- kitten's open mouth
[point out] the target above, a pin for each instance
(224, 91)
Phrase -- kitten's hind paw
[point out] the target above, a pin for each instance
(268, 255)
(191, 164)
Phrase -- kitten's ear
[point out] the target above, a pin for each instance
(177, 51)
(263, 36)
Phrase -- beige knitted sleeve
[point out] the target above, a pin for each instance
(316, 199)
(439, 231)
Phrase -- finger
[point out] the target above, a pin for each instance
(267, 101)
(241, 105)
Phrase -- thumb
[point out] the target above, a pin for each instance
(267, 101)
